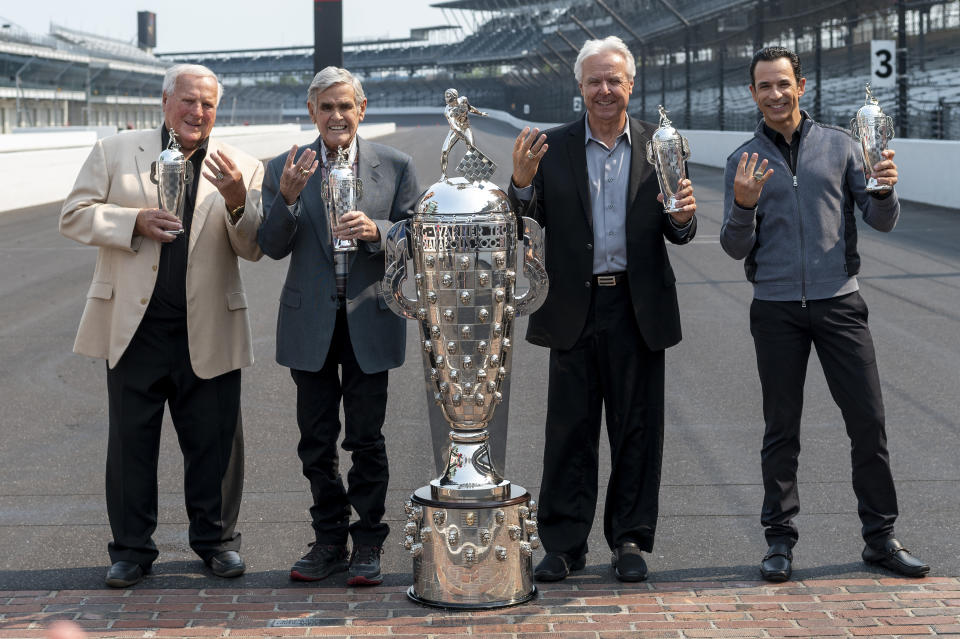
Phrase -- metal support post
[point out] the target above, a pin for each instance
(687, 72)
(903, 118)
(818, 72)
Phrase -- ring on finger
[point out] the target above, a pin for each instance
(304, 171)
(758, 176)
(530, 155)
(219, 176)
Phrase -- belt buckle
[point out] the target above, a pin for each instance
(606, 280)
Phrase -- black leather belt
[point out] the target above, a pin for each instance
(610, 279)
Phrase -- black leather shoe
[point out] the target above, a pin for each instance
(321, 561)
(776, 565)
(124, 574)
(227, 563)
(365, 566)
(628, 563)
(893, 556)
(557, 565)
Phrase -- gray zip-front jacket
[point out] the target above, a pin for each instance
(800, 242)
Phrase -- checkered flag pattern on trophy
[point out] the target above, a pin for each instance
(475, 166)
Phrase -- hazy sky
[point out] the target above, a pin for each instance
(184, 25)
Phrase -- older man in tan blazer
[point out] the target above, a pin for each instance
(168, 312)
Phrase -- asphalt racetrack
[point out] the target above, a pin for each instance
(53, 421)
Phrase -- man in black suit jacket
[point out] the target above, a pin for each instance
(610, 312)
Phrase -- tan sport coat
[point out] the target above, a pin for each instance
(113, 185)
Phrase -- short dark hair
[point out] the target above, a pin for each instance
(769, 54)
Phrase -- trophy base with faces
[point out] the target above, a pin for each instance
(471, 554)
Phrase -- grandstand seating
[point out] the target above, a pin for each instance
(72, 77)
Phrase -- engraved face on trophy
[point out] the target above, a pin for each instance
(873, 129)
(464, 255)
(462, 243)
(173, 175)
(341, 191)
(668, 152)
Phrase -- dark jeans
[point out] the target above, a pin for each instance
(837, 327)
(609, 367)
(318, 415)
(206, 416)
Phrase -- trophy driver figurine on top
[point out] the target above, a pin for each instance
(457, 112)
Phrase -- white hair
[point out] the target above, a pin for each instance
(329, 76)
(608, 44)
(174, 72)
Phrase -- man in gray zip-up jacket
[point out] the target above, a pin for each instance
(788, 211)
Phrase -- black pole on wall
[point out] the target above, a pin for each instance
(327, 34)
(721, 53)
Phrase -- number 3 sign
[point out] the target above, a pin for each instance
(883, 63)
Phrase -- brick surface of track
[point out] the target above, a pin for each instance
(574, 609)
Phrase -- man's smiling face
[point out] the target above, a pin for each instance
(777, 93)
(337, 115)
(606, 88)
(191, 109)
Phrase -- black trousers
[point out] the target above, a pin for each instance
(155, 369)
(611, 368)
(837, 327)
(318, 415)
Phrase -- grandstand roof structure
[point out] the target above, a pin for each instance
(493, 5)
(543, 36)
(72, 61)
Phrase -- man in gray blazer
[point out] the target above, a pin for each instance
(334, 331)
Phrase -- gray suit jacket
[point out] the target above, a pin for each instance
(308, 301)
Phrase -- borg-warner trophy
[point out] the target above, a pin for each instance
(470, 531)
(172, 175)
(340, 192)
(873, 129)
(668, 152)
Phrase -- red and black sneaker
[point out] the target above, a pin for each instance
(320, 562)
(365, 566)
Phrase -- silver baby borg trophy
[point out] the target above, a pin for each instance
(668, 152)
(873, 129)
(470, 531)
(340, 192)
(173, 176)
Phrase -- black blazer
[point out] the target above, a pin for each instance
(561, 204)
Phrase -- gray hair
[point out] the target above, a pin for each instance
(174, 72)
(608, 44)
(329, 76)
